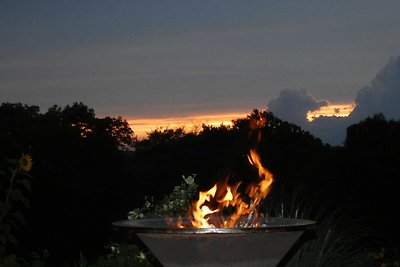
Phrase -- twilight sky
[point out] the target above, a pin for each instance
(162, 59)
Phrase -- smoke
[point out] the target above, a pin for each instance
(381, 96)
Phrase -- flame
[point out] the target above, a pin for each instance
(201, 211)
(258, 193)
(208, 210)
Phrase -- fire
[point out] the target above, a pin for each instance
(201, 211)
(210, 209)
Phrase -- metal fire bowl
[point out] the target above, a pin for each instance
(214, 247)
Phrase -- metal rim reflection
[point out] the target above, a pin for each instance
(161, 226)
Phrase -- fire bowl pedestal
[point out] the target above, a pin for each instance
(214, 247)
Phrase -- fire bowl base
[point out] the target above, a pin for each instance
(219, 247)
(236, 250)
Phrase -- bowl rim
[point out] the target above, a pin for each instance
(159, 225)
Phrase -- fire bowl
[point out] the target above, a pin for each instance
(251, 246)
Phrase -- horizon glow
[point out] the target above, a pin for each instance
(142, 127)
(331, 110)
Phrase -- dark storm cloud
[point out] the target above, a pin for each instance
(293, 104)
(382, 95)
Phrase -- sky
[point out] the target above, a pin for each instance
(162, 60)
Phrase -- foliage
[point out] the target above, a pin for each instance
(163, 136)
(174, 204)
(17, 184)
(120, 255)
(80, 160)
(372, 156)
(337, 241)
(338, 238)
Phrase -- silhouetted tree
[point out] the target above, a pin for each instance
(17, 127)
(373, 171)
(79, 169)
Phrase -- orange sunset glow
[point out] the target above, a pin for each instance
(143, 126)
(331, 110)
(146, 125)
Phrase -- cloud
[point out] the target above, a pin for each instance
(293, 104)
(382, 95)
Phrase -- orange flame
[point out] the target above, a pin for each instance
(201, 211)
(258, 193)
(208, 210)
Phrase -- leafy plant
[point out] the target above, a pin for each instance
(172, 205)
(17, 180)
(120, 255)
(337, 242)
